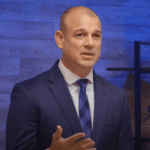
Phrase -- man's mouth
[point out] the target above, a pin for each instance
(88, 54)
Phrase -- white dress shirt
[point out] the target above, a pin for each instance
(74, 88)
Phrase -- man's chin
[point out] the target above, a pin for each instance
(87, 65)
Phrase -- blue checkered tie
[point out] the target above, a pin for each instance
(84, 110)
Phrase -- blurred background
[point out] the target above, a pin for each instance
(27, 47)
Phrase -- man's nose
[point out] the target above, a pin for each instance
(88, 42)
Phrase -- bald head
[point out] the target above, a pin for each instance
(74, 10)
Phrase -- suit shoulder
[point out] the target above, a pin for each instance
(110, 85)
(37, 80)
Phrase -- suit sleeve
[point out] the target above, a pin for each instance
(125, 141)
(21, 126)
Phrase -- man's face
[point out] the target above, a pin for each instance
(82, 42)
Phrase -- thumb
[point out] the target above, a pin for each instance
(58, 133)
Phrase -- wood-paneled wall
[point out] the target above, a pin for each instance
(27, 45)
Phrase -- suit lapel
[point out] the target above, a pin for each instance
(60, 91)
(101, 103)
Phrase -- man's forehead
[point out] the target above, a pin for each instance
(81, 19)
(77, 11)
(77, 15)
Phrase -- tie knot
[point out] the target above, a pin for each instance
(82, 82)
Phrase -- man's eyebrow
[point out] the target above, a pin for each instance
(81, 29)
(99, 31)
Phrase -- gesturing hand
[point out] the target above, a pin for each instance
(59, 143)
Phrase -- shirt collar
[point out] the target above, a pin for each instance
(70, 77)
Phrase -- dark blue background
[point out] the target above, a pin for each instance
(27, 45)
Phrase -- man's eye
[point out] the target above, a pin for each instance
(80, 34)
(97, 35)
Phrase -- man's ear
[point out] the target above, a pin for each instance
(59, 37)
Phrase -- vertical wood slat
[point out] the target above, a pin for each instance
(9, 66)
(24, 11)
(26, 30)
(29, 48)
(7, 82)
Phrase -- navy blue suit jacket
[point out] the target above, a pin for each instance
(39, 104)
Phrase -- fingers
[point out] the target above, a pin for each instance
(84, 141)
(84, 144)
(74, 138)
(58, 133)
(89, 145)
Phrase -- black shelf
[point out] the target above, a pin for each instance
(120, 69)
(138, 139)
(142, 70)
(144, 140)
(143, 43)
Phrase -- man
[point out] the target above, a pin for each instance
(54, 98)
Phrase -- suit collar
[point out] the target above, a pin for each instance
(55, 73)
